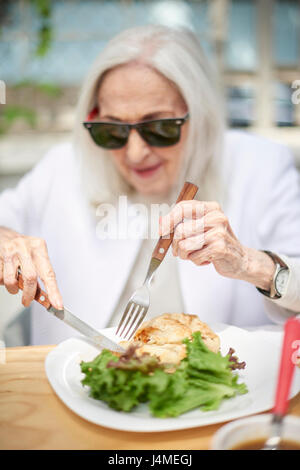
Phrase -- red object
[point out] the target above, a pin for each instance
(287, 365)
(92, 114)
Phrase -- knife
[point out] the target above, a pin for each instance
(70, 319)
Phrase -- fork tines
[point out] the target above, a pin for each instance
(132, 317)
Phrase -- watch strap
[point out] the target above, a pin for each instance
(279, 263)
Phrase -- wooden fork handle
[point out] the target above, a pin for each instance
(187, 193)
(40, 296)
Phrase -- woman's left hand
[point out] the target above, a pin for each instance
(202, 234)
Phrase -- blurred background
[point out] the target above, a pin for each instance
(46, 48)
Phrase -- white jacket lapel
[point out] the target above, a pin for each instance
(116, 259)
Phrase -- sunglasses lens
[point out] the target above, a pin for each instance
(158, 133)
(109, 136)
(161, 133)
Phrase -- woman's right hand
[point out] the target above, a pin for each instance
(30, 254)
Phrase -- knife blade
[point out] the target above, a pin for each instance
(72, 320)
(98, 338)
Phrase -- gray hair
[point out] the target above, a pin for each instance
(177, 55)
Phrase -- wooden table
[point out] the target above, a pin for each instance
(33, 417)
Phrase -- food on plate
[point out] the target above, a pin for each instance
(162, 336)
(201, 379)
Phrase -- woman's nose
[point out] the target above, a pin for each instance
(136, 148)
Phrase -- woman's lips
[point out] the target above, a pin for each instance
(148, 171)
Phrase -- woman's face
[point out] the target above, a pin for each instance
(131, 93)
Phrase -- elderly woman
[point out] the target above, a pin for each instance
(236, 247)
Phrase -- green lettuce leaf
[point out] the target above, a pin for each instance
(202, 380)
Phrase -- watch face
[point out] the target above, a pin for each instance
(281, 281)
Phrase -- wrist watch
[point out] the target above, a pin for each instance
(280, 277)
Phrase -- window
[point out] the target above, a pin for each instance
(240, 106)
(286, 33)
(241, 44)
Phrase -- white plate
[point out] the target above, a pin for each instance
(260, 349)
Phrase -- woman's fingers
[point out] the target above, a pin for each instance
(187, 229)
(16, 255)
(202, 234)
(193, 234)
(1, 272)
(209, 253)
(10, 267)
(202, 257)
(46, 273)
(188, 245)
(49, 279)
(185, 210)
(31, 255)
(30, 280)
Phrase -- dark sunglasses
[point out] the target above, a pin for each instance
(157, 132)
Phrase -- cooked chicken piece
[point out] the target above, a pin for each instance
(162, 330)
(167, 353)
(172, 328)
(162, 336)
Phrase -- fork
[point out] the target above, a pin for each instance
(139, 302)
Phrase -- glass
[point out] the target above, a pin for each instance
(283, 105)
(241, 47)
(240, 105)
(286, 33)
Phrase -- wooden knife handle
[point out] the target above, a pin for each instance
(187, 193)
(40, 296)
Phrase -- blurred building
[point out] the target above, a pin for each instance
(46, 48)
(255, 44)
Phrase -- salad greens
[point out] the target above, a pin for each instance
(201, 380)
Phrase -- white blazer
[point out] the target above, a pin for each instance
(263, 208)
